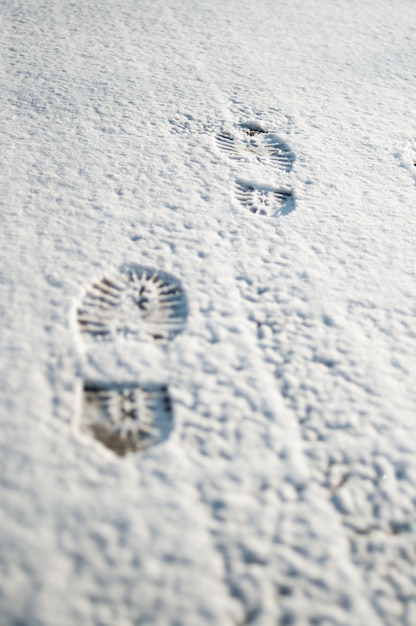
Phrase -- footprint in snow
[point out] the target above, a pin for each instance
(251, 141)
(409, 157)
(140, 304)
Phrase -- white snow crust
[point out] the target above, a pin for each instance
(285, 493)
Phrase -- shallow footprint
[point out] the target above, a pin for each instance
(126, 418)
(252, 141)
(409, 157)
(134, 302)
(264, 200)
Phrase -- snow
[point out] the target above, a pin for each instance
(142, 135)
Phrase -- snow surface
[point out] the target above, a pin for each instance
(286, 490)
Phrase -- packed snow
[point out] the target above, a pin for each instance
(208, 313)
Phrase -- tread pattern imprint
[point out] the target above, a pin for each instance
(251, 142)
(140, 304)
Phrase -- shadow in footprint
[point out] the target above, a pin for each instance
(126, 418)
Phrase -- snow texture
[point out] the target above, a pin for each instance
(223, 193)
